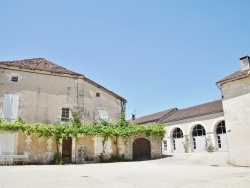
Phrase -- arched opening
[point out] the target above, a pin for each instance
(221, 136)
(199, 137)
(177, 138)
(141, 149)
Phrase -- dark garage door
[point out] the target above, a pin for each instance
(141, 149)
(66, 150)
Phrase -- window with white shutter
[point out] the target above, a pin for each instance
(10, 107)
(7, 143)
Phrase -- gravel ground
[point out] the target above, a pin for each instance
(181, 170)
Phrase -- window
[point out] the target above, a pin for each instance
(165, 145)
(10, 106)
(219, 141)
(14, 79)
(65, 114)
(101, 146)
(98, 94)
(174, 144)
(221, 128)
(177, 133)
(7, 143)
(199, 131)
(194, 141)
(102, 114)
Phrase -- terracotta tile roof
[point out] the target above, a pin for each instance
(153, 117)
(195, 111)
(237, 75)
(38, 64)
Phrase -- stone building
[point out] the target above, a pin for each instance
(87, 148)
(226, 122)
(235, 90)
(40, 91)
(194, 123)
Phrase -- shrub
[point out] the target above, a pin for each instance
(57, 159)
(112, 159)
(209, 145)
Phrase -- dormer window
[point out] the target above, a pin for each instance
(98, 94)
(14, 78)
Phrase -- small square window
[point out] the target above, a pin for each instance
(98, 94)
(65, 114)
(14, 79)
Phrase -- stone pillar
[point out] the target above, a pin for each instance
(169, 145)
(27, 147)
(73, 153)
(49, 154)
(60, 145)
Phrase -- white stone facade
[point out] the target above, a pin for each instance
(236, 105)
(209, 122)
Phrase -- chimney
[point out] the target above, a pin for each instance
(133, 116)
(245, 63)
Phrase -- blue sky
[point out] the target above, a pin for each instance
(156, 54)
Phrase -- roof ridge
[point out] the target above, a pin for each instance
(170, 109)
(196, 111)
(206, 103)
(152, 117)
(44, 65)
(34, 61)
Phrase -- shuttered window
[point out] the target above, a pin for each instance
(102, 114)
(10, 107)
(7, 143)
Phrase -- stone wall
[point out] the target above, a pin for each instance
(42, 97)
(155, 146)
(84, 149)
(236, 105)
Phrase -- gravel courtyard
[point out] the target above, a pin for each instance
(181, 170)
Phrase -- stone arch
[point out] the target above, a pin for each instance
(141, 149)
(198, 137)
(177, 140)
(221, 136)
(216, 122)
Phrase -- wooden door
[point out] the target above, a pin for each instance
(67, 150)
(141, 149)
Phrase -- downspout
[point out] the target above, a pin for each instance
(220, 90)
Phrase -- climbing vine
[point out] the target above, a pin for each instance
(122, 128)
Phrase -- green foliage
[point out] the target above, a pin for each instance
(112, 159)
(20, 120)
(76, 121)
(209, 145)
(57, 159)
(121, 128)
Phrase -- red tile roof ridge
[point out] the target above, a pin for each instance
(152, 117)
(41, 64)
(196, 111)
(235, 76)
